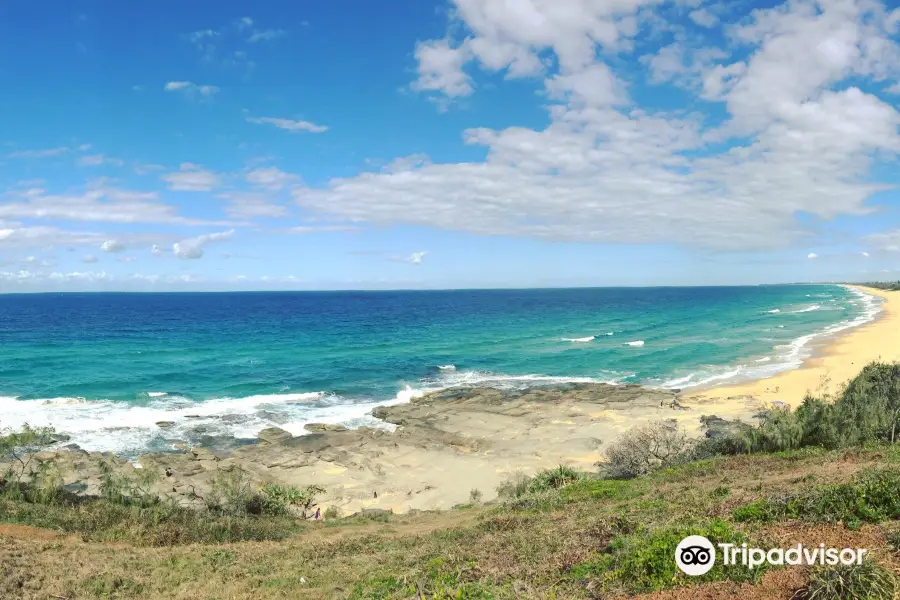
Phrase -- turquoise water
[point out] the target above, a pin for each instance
(105, 367)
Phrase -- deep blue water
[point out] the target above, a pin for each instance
(106, 367)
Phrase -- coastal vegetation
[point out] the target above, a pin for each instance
(884, 285)
(826, 472)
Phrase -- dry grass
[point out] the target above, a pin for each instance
(482, 552)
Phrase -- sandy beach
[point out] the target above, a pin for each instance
(450, 442)
(833, 363)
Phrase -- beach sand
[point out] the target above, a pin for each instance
(835, 361)
(453, 441)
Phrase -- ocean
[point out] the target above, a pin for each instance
(105, 368)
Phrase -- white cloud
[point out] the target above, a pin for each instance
(191, 178)
(127, 259)
(887, 240)
(16, 236)
(266, 35)
(191, 89)
(416, 257)
(156, 250)
(440, 69)
(865, 254)
(31, 277)
(90, 258)
(112, 246)
(193, 248)
(288, 124)
(812, 255)
(97, 160)
(304, 229)
(45, 153)
(794, 140)
(270, 178)
(99, 202)
(249, 205)
(514, 36)
(704, 18)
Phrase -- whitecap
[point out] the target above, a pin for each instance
(580, 340)
(774, 311)
(637, 343)
(808, 309)
(157, 394)
(447, 367)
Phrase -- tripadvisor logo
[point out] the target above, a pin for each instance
(696, 555)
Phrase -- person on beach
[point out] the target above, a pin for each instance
(318, 514)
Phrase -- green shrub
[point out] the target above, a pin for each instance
(866, 581)
(644, 561)
(544, 481)
(277, 499)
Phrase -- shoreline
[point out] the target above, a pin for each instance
(836, 359)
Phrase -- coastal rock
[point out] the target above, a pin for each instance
(274, 435)
(165, 424)
(322, 427)
(717, 427)
(447, 443)
(60, 437)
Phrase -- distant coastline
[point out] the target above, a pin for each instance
(834, 360)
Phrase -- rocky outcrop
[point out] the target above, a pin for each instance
(443, 446)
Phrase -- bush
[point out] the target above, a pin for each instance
(279, 499)
(866, 581)
(19, 452)
(544, 481)
(646, 448)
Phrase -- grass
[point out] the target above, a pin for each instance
(561, 534)
(867, 581)
(873, 496)
(594, 537)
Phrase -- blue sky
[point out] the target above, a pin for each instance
(470, 143)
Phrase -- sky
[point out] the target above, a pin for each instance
(224, 145)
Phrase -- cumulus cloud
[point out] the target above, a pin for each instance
(812, 255)
(156, 250)
(191, 178)
(112, 246)
(797, 136)
(192, 249)
(703, 17)
(270, 178)
(288, 124)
